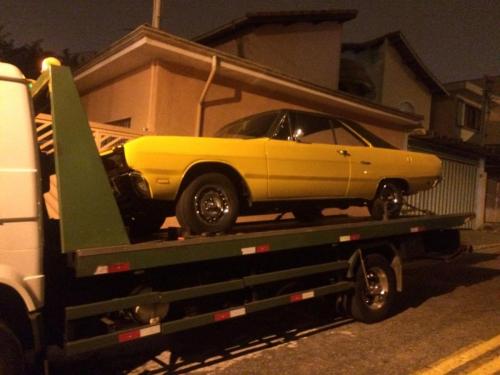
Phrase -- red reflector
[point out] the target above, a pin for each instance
(129, 336)
(296, 297)
(119, 267)
(262, 248)
(222, 315)
(355, 237)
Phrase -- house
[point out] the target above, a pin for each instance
(469, 120)
(302, 44)
(156, 83)
(388, 71)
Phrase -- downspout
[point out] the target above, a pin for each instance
(199, 114)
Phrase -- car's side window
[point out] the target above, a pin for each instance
(312, 129)
(283, 130)
(344, 137)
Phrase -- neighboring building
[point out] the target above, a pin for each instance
(387, 70)
(465, 124)
(474, 110)
(303, 44)
(155, 82)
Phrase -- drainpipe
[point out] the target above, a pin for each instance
(199, 114)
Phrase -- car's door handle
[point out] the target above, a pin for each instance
(366, 162)
(344, 152)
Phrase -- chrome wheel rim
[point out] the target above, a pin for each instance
(376, 292)
(211, 204)
(392, 197)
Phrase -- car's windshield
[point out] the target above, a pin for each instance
(250, 127)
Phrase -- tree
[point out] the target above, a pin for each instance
(28, 57)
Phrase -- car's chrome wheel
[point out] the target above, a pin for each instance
(389, 197)
(209, 204)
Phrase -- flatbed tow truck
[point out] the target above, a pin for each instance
(80, 283)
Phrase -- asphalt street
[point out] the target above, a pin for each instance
(447, 320)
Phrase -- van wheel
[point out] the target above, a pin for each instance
(388, 194)
(209, 204)
(11, 353)
(373, 302)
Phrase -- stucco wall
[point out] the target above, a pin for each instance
(127, 96)
(307, 51)
(400, 85)
(168, 103)
(443, 116)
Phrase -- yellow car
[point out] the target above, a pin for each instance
(284, 160)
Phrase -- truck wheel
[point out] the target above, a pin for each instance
(11, 353)
(390, 194)
(209, 204)
(373, 303)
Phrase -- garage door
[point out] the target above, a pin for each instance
(456, 193)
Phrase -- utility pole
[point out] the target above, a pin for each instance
(156, 14)
(488, 84)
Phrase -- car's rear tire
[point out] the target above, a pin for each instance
(374, 303)
(208, 204)
(389, 194)
(11, 353)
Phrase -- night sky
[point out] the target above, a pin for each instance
(456, 39)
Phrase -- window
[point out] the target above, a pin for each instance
(345, 137)
(468, 116)
(124, 122)
(407, 107)
(283, 130)
(256, 126)
(312, 129)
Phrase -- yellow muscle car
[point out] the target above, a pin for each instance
(279, 160)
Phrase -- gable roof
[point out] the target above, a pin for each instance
(252, 20)
(408, 56)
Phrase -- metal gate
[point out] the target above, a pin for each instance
(457, 191)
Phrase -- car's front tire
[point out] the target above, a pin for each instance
(208, 204)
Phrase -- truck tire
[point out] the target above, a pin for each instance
(11, 352)
(209, 204)
(373, 304)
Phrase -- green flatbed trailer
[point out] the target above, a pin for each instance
(102, 290)
(340, 246)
